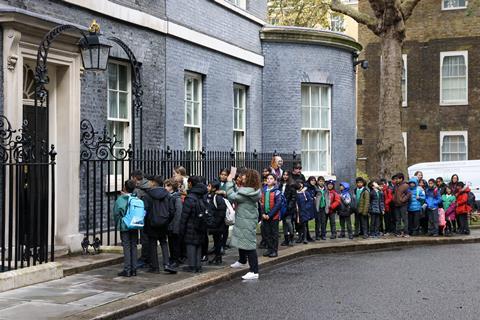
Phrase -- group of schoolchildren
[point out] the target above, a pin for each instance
(379, 208)
(181, 212)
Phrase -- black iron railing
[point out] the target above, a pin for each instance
(27, 198)
(105, 166)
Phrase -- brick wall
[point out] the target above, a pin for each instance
(429, 32)
(219, 75)
(286, 67)
(213, 19)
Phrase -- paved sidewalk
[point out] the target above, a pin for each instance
(100, 294)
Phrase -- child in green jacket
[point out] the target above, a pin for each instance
(128, 237)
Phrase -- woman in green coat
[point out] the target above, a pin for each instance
(244, 234)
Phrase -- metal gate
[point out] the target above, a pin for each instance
(27, 197)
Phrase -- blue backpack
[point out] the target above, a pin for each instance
(135, 216)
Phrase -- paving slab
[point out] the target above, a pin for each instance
(39, 311)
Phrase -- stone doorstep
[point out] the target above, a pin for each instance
(165, 293)
(31, 275)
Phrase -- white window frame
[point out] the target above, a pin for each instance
(242, 90)
(453, 133)
(127, 135)
(239, 3)
(455, 8)
(405, 63)
(329, 130)
(199, 78)
(450, 54)
(405, 143)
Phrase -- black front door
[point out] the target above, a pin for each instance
(33, 183)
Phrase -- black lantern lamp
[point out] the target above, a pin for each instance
(94, 53)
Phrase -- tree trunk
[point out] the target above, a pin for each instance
(391, 150)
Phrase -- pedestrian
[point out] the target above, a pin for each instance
(361, 205)
(441, 186)
(129, 237)
(320, 209)
(175, 241)
(305, 212)
(450, 207)
(311, 186)
(192, 226)
(217, 208)
(141, 187)
(377, 208)
(463, 208)
(180, 175)
(270, 206)
(333, 202)
(453, 184)
(244, 234)
(276, 167)
(222, 191)
(263, 239)
(401, 198)
(265, 173)
(287, 187)
(345, 211)
(432, 201)
(158, 218)
(388, 223)
(423, 223)
(297, 172)
(415, 206)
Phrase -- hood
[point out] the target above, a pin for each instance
(414, 180)
(346, 185)
(199, 189)
(250, 192)
(275, 188)
(144, 184)
(158, 193)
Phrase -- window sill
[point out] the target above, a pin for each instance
(453, 104)
(454, 9)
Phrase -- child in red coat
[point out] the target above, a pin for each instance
(463, 209)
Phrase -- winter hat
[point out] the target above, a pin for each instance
(332, 182)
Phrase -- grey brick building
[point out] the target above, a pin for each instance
(214, 75)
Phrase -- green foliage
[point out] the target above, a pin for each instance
(300, 13)
(362, 174)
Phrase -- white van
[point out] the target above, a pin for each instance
(468, 171)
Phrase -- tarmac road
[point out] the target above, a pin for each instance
(437, 282)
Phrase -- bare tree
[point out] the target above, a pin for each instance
(388, 23)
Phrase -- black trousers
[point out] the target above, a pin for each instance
(175, 247)
(145, 255)
(225, 237)
(217, 242)
(152, 244)
(413, 222)
(401, 217)
(375, 224)
(360, 229)
(322, 219)
(251, 256)
(194, 255)
(463, 227)
(333, 224)
(205, 244)
(271, 234)
(319, 222)
(345, 221)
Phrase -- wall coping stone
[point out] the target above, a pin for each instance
(309, 35)
(30, 275)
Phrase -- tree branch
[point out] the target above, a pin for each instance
(378, 8)
(407, 8)
(363, 18)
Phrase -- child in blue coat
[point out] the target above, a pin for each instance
(415, 206)
(433, 199)
(305, 211)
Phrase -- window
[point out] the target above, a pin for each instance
(119, 102)
(316, 128)
(453, 145)
(454, 78)
(193, 112)
(404, 80)
(337, 23)
(454, 4)
(239, 117)
(405, 144)
(239, 3)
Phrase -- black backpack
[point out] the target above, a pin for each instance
(200, 215)
(160, 214)
(471, 201)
